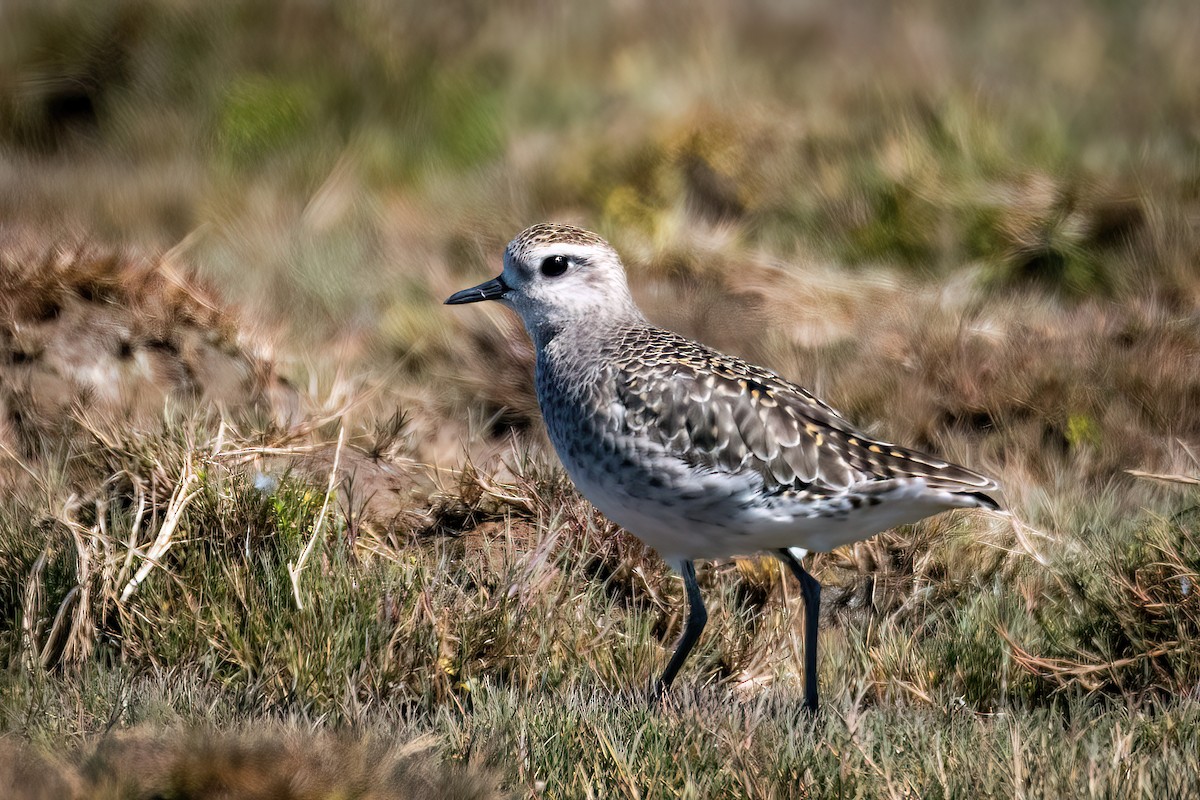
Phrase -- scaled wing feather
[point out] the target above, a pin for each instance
(722, 413)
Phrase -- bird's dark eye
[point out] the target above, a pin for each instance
(553, 266)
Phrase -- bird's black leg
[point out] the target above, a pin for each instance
(810, 589)
(696, 620)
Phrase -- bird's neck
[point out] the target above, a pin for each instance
(573, 356)
(582, 333)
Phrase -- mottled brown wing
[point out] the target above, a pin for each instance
(725, 414)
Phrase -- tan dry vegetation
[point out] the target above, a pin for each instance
(268, 764)
(92, 331)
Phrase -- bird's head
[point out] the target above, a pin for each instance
(557, 276)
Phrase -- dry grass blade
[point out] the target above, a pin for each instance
(294, 569)
(246, 454)
(180, 498)
(50, 649)
(1065, 672)
(31, 609)
(1154, 476)
(134, 529)
(1024, 533)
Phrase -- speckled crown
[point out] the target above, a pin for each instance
(545, 233)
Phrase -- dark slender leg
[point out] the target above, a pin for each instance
(810, 589)
(696, 620)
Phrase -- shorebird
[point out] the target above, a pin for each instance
(697, 453)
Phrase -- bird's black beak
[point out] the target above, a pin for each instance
(490, 290)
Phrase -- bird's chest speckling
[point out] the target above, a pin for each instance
(576, 400)
(611, 465)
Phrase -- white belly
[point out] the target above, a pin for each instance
(684, 510)
(730, 516)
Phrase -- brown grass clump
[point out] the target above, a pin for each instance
(1041, 393)
(90, 331)
(269, 764)
(28, 774)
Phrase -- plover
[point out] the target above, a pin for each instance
(697, 453)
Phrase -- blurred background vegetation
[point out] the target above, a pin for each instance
(1036, 142)
(971, 226)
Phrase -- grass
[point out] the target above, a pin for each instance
(1016, 667)
(274, 523)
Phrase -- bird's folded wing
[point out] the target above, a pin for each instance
(722, 413)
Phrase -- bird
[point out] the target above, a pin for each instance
(700, 454)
